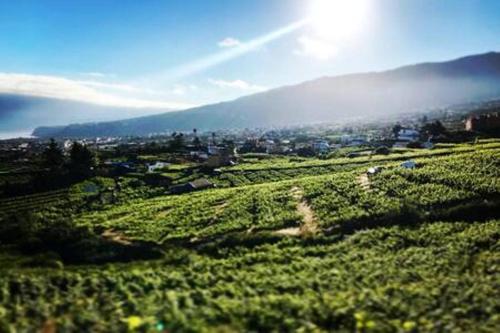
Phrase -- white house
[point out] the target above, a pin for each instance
(23, 146)
(67, 145)
(152, 167)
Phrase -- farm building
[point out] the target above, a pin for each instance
(195, 185)
(485, 122)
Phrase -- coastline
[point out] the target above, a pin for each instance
(6, 135)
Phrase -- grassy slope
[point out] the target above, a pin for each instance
(440, 276)
(427, 275)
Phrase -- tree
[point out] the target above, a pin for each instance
(197, 142)
(395, 130)
(53, 156)
(177, 142)
(230, 145)
(435, 128)
(82, 161)
(306, 152)
(414, 144)
(382, 150)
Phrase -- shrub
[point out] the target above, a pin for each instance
(383, 150)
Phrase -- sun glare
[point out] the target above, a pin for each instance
(338, 19)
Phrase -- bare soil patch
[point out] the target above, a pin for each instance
(116, 237)
(364, 182)
(309, 223)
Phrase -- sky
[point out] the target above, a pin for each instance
(182, 53)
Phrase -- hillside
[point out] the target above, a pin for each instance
(25, 112)
(309, 247)
(405, 89)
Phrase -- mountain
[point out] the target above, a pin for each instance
(405, 89)
(24, 112)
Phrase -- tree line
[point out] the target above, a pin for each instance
(57, 170)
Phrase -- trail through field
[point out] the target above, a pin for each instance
(219, 209)
(294, 231)
(364, 182)
(309, 223)
(116, 237)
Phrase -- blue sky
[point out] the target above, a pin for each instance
(179, 53)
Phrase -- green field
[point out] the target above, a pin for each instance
(283, 245)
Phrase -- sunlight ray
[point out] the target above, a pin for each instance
(215, 59)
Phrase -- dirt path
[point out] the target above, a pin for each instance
(116, 237)
(219, 209)
(309, 224)
(364, 182)
(289, 231)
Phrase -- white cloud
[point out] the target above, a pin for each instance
(316, 47)
(236, 84)
(114, 86)
(229, 42)
(85, 91)
(96, 74)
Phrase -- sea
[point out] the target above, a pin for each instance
(4, 135)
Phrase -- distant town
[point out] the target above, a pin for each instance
(206, 152)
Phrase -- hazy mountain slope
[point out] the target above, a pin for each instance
(24, 112)
(326, 99)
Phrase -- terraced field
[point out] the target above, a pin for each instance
(273, 169)
(407, 250)
(33, 202)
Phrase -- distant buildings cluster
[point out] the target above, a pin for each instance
(483, 122)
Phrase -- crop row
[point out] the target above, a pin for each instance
(34, 202)
(282, 163)
(200, 215)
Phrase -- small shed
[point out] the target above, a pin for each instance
(409, 164)
(201, 184)
(195, 185)
(374, 170)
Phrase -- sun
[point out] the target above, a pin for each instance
(338, 19)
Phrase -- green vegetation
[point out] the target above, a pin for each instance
(304, 245)
(281, 168)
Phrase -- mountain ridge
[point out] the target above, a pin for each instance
(329, 98)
